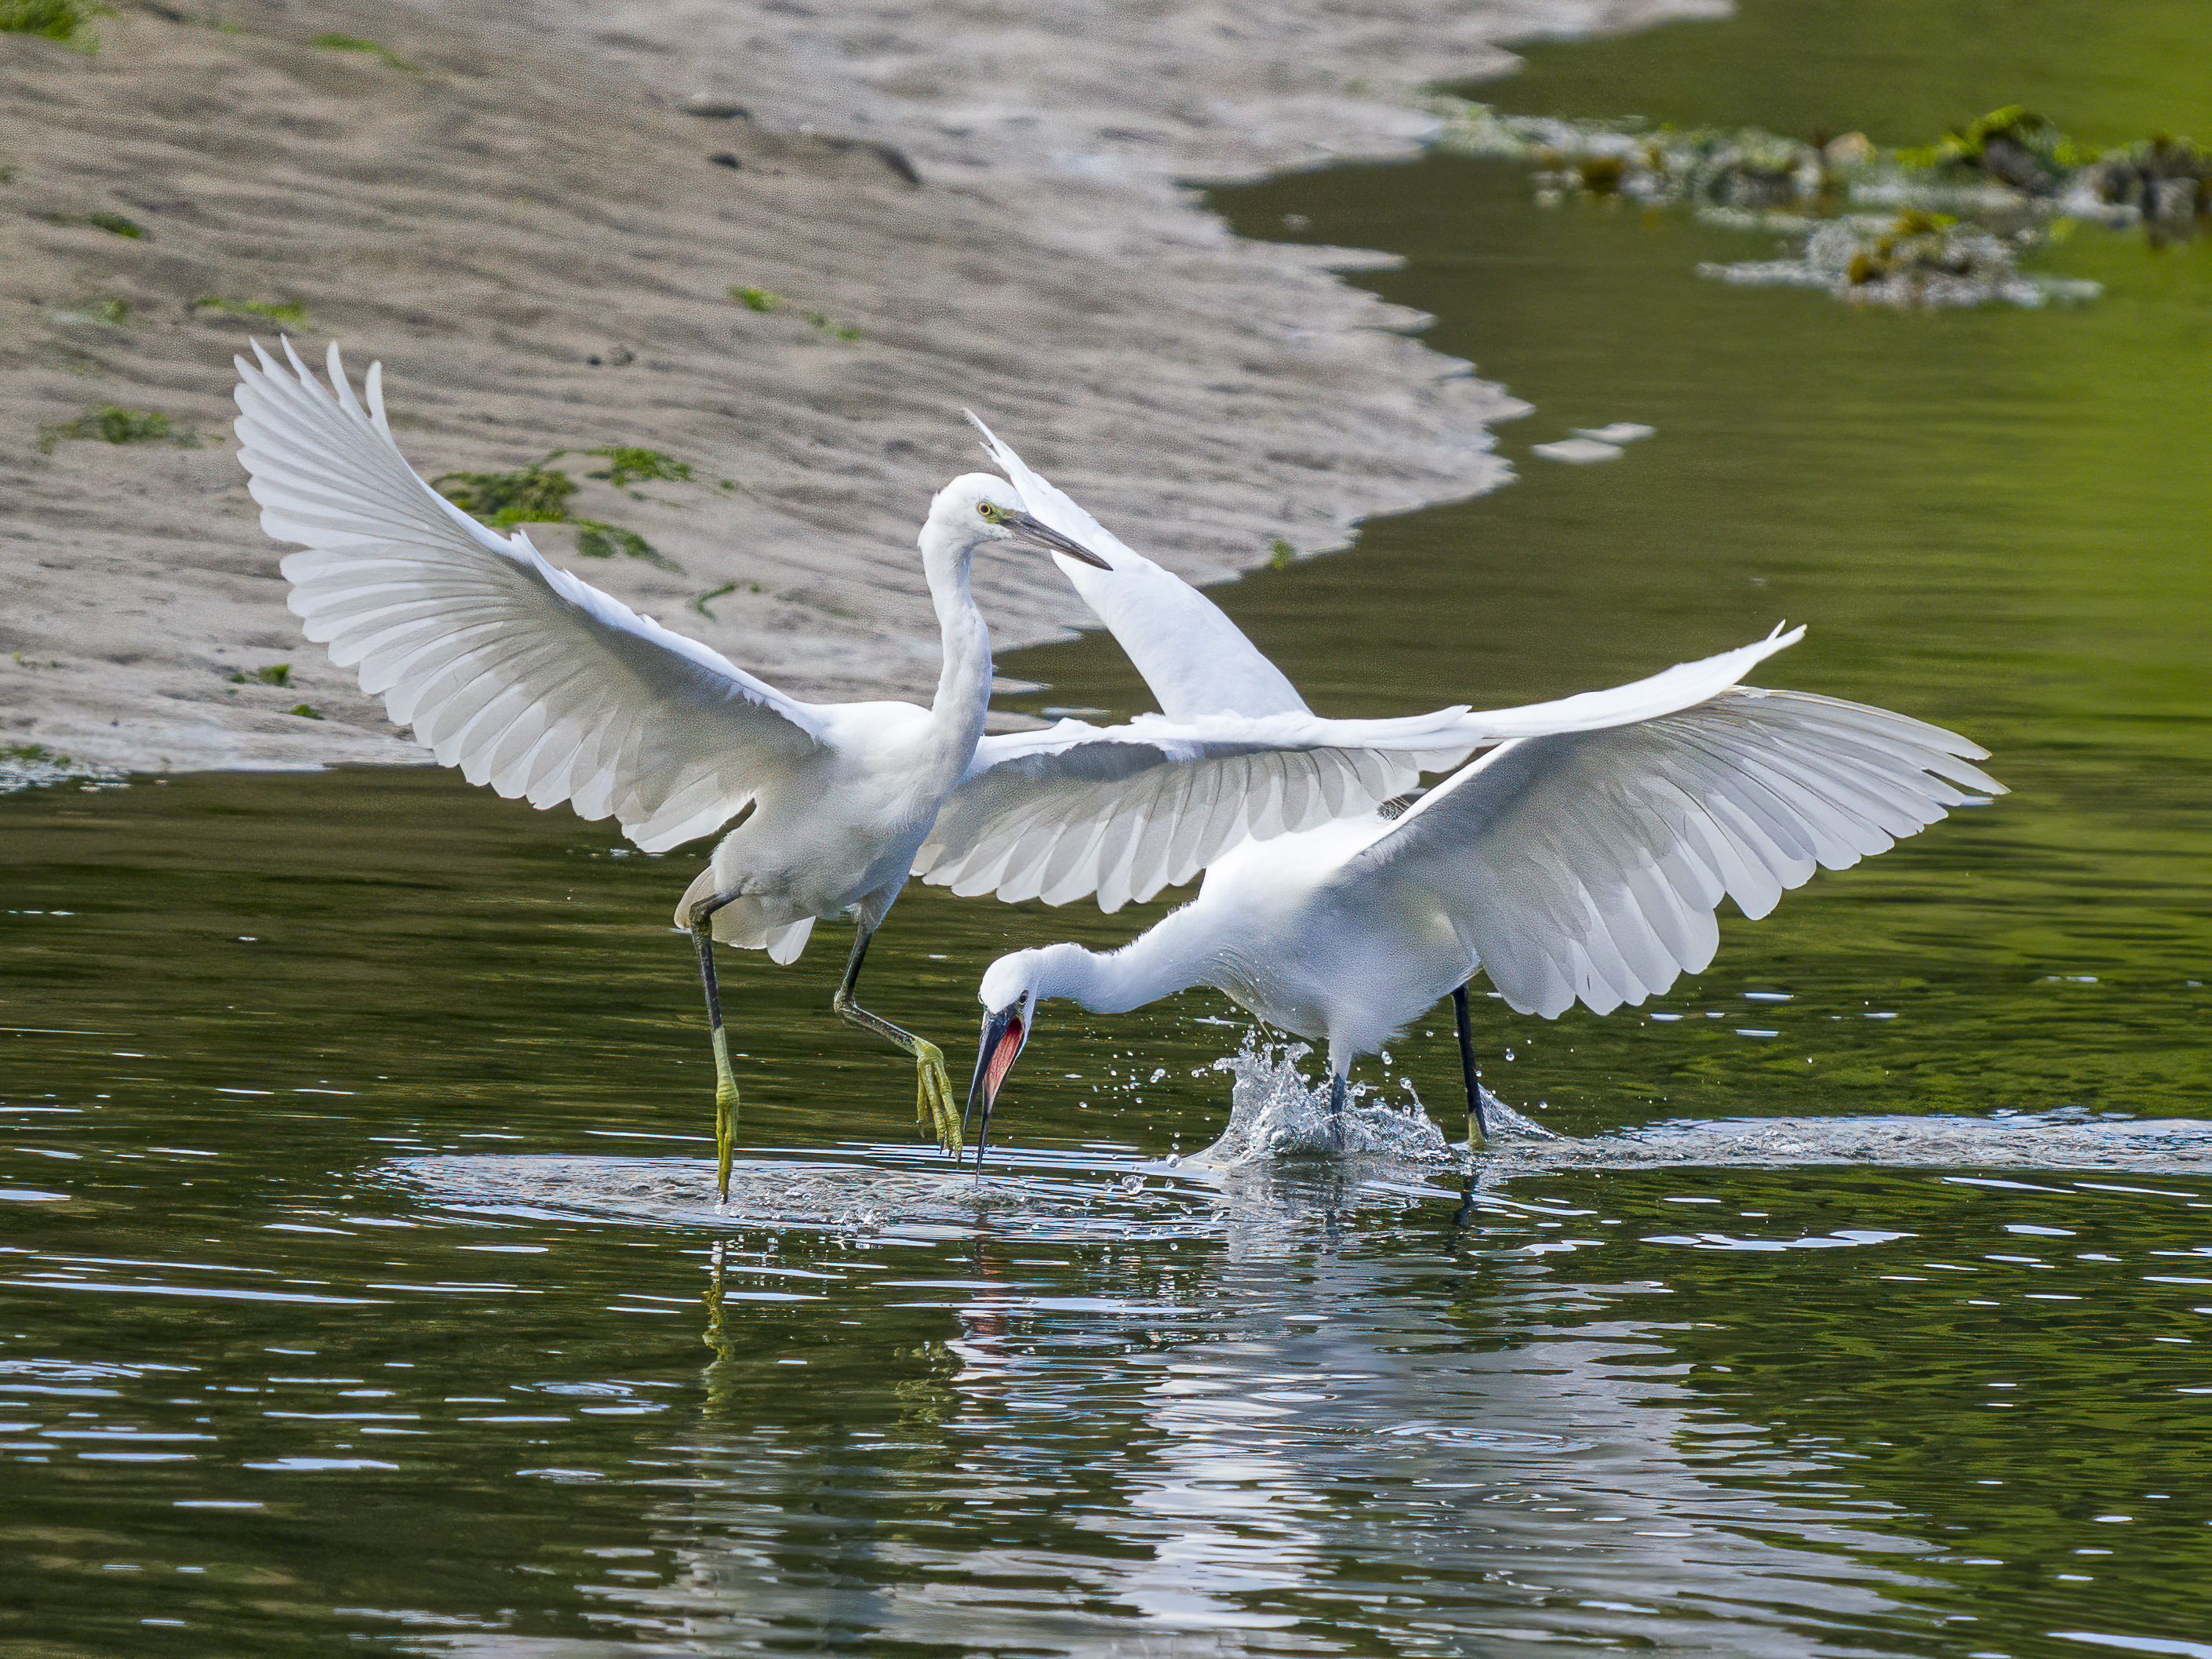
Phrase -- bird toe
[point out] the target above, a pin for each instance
(932, 1108)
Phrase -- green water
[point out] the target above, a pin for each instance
(267, 1388)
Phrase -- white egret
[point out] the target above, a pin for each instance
(1192, 657)
(1234, 753)
(1583, 867)
(542, 686)
(532, 681)
(1078, 808)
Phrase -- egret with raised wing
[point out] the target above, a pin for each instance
(533, 681)
(1234, 753)
(1579, 866)
(538, 684)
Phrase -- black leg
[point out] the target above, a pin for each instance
(1337, 1093)
(1465, 1211)
(933, 1084)
(1478, 1123)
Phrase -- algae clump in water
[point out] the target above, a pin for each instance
(2009, 182)
(111, 312)
(113, 223)
(28, 765)
(628, 463)
(530, 494)
(597, 539)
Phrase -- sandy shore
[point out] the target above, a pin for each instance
(523, 213)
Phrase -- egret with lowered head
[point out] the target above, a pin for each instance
(534, 681)
(1576, 866)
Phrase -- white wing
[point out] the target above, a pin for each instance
(1678, 687)
(1590, 865)
(523, 676)
(1124, 810)
(1196, 661)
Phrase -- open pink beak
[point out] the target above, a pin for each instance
(999, 1046)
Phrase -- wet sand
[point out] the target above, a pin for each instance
(527, 217)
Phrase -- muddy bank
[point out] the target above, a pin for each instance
(883, 214)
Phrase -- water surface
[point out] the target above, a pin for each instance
(290, 1367)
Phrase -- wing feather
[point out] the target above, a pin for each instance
(1588, 865)
(1132, 832)
(528, 677)
(1169, 853)
(1196, 661)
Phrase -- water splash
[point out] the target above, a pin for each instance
(1274, 1113)
(1270, 1168)
(1507, 1124)
(857, 1198)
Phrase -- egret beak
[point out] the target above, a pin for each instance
(1037, 534)
(1004, 1035)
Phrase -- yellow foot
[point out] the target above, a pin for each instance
(726, 1134)
(932, 1108)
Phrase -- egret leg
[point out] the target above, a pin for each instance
(1477, 1097)
(933, 1108)
(725, 1080)
(1337, 1093)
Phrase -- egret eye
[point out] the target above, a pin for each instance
(990, 511)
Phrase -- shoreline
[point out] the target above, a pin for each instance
(535, 231)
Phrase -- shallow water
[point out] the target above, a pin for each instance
(363, 1293)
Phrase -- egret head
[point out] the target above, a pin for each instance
(1009, 994)
(977, 507)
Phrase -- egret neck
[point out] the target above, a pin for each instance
(963, 683)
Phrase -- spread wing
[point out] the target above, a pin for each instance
(1589, 865)
(1124, 810)
(1196, 661)
(523, 676)
(1128, 811)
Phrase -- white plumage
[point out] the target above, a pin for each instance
(1124, 810)
(1234, 754)
(1587, 867)
(523, 676)
(1579, 866)
(533, 681)
(538, 684)
(1196, 660)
